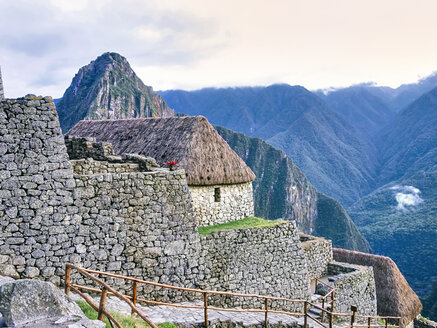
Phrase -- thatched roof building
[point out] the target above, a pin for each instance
(193, 141)
(394, 296)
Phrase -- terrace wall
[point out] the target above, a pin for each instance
(265, 261)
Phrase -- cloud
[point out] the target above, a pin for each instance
(407, 196)
(35, 36)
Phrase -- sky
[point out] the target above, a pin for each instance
(190, 44)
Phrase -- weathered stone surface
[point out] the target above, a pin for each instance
(267, 261)
(26, 301)
(354, 285)
(233, 202)
(318, 253)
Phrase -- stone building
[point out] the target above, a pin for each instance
(219, 181)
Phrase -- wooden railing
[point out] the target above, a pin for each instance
(331, 295)
(133, 299)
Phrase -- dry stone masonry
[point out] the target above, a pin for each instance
(266, 261)
(354, 285)
(36, 190)
(123, 214)
(318, 254)
(222, 203)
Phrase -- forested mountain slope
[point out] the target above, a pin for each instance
(337, 158)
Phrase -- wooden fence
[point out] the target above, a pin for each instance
(133, 299)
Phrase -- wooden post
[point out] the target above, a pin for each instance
(323, 307)
(369, 322)
(134, 296)
(332, 301)
(386, 323)
(67, 280)
(102, 304)
(266, 319)
(354, 310)
(331, 319)
(331, 315)
(205, 307)
(305, 318)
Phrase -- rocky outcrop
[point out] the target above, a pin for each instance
(108, 88)
(32, 303)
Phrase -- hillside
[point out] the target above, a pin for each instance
(108, 88)
(337, 159)
(364, 106)
(334, 223)
(399, 220)
(407, 93)
(409, 137)
(281, 190)
(430, 304)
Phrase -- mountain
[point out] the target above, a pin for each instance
(404, 144)
(364, 106)
(108, 88)
(281, 190)
(334, 223)
(400, 221)
(400, 218)
(407, 93)
(337, 158)
(430, 304)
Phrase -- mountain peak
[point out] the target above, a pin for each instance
(108, 88)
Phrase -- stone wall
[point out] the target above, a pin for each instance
(235, 202)
(266, 261)
(318, 253)
(79, 148)
(138, 225)
(354, 285)
(90, 166)
(36, 185)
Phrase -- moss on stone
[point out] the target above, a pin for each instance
(249, 222)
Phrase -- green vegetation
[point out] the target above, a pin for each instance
(335, 224)
(249, 222)
(430, 303)
(406, 235)
(125, 320)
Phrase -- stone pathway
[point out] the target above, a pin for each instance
(194, 317)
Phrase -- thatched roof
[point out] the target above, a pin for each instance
(394, 296)
(192, 141)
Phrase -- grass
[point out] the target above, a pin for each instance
(125, 320)
(249, 222)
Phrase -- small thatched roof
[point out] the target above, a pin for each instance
(192, 141)
(394, 296)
